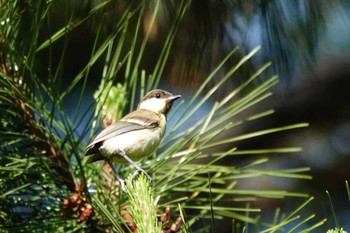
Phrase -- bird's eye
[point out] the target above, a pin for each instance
(158, 95)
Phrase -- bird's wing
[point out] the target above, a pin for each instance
(137, 120)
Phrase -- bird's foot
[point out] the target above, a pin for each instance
(137, 167)
(138, 171)
(120, 180)
(122, 185)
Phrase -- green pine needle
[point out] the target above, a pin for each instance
(142, 205)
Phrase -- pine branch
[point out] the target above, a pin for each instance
(142, 205)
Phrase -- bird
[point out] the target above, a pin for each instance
(135, 136)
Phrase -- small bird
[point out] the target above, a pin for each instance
(136, 135)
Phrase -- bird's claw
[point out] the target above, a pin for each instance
(122, 186)
(137, 172)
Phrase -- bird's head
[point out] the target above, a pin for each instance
(158, 101)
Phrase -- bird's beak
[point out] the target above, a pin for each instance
(171, 99)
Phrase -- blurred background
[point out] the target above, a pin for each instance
(308, 43)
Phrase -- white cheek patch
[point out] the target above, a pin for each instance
(155, 105)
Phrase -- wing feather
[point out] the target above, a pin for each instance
(137, 120)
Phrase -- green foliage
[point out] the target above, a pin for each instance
(142, 205)
(46, 187)
(336, 230)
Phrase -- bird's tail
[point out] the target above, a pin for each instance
(93, 158)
